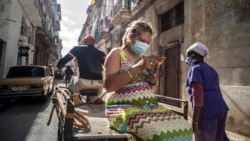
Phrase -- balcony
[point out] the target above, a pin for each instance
(31, 11)
(57, 26)
(98, 3)
(121, 12)
(46, 30)
(95, 2)
(104, 28)
(124, 10)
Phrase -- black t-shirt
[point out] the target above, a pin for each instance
(90, 61)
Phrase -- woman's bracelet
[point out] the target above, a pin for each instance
(135, 70)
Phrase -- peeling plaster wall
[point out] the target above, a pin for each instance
(237, 98)
(224, 26)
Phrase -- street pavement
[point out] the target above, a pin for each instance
(232, 136)
(26, 120)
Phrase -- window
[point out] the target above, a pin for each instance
(25, 72)
(173, 17)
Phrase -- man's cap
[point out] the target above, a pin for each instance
(199, 48)
(90, 38)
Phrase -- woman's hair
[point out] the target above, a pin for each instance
(135, 29)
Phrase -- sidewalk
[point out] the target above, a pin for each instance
(231, 135)
(236, 137)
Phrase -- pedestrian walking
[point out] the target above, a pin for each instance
(202, 86)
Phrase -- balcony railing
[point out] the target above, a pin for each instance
(104, 28)
(57, 26)
(121, 11)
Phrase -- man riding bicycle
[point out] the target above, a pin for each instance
(90, 61)
(68, 75)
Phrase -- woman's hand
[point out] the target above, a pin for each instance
(151, 64)
(154, 74)
(195, 120)
(147, 63)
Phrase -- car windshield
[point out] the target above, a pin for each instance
(25, 72)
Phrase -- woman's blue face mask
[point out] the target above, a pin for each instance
(139, 47)
(190, 61)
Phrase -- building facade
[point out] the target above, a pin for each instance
(94, 24)
(48, 43)
(222, 25)
(15, 29)
(28, 35)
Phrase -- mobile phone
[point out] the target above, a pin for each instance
(161, 59)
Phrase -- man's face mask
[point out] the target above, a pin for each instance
(139, 47)
(190, 61)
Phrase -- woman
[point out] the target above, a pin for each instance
(129, 77)
(210, 110)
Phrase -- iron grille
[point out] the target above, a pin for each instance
(179, 14)
(173, 17)
(166, 21)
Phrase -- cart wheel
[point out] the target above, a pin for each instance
(59, 135)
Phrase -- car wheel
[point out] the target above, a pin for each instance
(5, 103)
(44, 98)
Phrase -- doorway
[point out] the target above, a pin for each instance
(171, 72)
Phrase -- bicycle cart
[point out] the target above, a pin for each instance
(87, 122)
